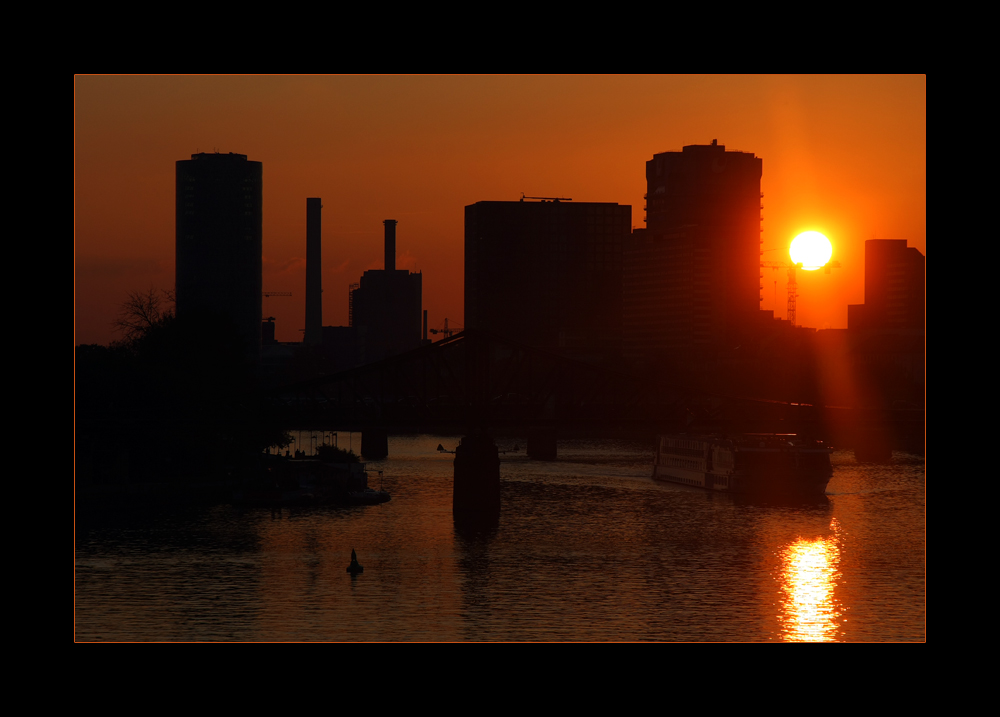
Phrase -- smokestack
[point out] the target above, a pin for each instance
(425, 324)
(314, 272)
(390, 244)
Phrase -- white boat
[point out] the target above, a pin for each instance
(778, 463)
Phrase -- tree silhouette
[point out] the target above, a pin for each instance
(173, 400)
(141, 311)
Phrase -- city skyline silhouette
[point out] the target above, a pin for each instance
(619, 402)
(842, 155)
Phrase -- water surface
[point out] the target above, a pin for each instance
(588, 548)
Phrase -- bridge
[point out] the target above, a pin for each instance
(477, 384)
(478, 381)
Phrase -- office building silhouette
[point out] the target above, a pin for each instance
(219, 242)
(887, 334)
(691, 277)
(547, 273)
(386, 305)
(894, 288)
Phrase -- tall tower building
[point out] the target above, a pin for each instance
(219, 242)
(547, 273)
(692, 275)
(895, 288)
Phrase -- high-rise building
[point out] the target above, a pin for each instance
(691, 277)
(894, 288)
(547, 273)
(887, 334)
(219, 242)
(386, 305)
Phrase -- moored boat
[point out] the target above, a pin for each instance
(310, 481)
(779, 463)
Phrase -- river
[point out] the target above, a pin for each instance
(588, 548)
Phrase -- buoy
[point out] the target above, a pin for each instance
(354, 568)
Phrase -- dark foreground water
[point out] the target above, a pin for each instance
(588, 548)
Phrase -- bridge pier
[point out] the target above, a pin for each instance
(374, 443)
(542, 444)
(476, 496)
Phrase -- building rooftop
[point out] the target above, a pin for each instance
(696, 148)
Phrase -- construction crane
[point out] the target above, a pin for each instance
(446, 331)
(792, 284)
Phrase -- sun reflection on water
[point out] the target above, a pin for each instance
(810, 613)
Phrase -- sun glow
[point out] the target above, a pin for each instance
(811, 249)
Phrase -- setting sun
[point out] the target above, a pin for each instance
(811, 249)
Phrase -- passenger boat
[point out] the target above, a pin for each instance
(779, 463)
(310, 481)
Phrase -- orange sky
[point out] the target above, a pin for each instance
(842, 155)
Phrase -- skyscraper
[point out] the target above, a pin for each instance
(219, 242)
(691, 277)
(894, 288)
(547, 273)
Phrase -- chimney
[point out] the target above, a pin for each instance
(390, 244)
(314, 272)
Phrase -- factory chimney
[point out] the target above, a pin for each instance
(314, 272)
(390, 244)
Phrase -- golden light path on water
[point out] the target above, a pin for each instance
(809, 611)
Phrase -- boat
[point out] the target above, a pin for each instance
(310, 482)
(778, 463)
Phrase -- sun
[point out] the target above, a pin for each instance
(811, 249)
